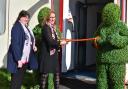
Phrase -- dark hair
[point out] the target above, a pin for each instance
(22, 13)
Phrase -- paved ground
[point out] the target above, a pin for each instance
(78, 80)
(70, 83)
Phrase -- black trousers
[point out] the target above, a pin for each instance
(17, 78)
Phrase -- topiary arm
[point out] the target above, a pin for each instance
(37, 31)
(123, 30)
(101, 33)
(117, 40)
(102, 40)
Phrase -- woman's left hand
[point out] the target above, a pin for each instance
(35, 48)
(20, 64)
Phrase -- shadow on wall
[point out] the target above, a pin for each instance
(36, 6)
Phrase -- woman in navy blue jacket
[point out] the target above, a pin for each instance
(21, 50)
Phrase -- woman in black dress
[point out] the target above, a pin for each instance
(49, 57)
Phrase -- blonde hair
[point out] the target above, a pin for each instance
(46, 18)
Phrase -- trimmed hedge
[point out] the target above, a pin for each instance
(42, 14)
(38, 28)
(111, 14)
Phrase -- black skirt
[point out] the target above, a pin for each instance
(49, 64)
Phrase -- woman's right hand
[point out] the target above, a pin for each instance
(63, 42)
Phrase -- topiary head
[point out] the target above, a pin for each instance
(111, 14)
(43, 14)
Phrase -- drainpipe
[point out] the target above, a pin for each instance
(123, 11)
(61, 15)
(52, 5)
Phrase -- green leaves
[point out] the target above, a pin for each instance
(111, 14)
(43, 13)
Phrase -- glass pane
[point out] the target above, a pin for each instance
(2, 15)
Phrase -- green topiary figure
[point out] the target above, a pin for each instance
(112, 54)
(37, 29)
(37, 32)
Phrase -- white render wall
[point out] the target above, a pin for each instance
(4, 36)
(33, 6)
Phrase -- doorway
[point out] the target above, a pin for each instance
(87, 18)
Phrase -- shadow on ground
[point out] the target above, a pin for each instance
(70, 83)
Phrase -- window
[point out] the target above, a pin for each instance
(2, 16)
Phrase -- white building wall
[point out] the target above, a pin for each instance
(33, 6)
(4, 34)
